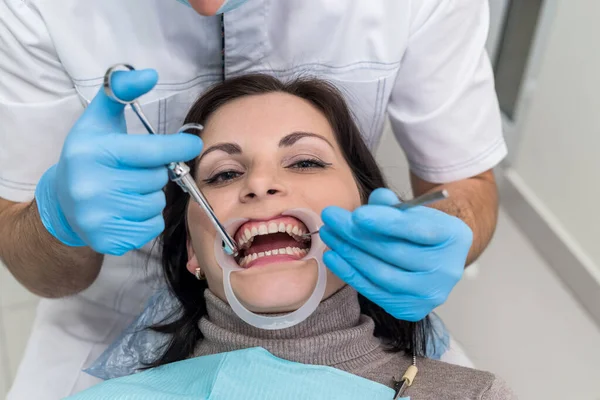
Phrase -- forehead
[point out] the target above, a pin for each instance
(263, 116)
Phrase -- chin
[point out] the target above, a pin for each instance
(206, 7)
(275, 288)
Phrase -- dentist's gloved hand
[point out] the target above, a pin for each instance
(407, 262)
(106, 190)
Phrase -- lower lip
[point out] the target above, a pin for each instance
(260, 262)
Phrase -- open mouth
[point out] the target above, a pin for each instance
(276, 240)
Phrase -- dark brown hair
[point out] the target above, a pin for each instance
(184, 332)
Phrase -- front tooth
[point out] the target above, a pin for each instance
(241, 242)
(288, 229)
(273, 228)
(289, 251)
(247, 234)
(262, 230)
(254, 256)
(281, 227)
(254, 232)
(261, 254)
(275, 252)
(267, 253)
(295, 230)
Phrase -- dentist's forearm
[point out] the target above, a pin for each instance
(41, 263)
(473, 200)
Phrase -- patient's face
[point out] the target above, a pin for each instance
(264, 155)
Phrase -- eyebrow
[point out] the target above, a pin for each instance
(229, 148)
(293, 137)
(287, 141)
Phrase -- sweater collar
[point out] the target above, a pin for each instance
(336, 334)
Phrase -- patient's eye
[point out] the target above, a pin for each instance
(308, 164)
(223, 177)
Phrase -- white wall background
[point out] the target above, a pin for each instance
(558, 155)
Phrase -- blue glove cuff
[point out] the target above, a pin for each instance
(51, 213)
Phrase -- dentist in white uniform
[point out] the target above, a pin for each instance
(420, 62)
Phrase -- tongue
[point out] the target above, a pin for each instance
(274, 241)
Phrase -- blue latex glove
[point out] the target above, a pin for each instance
(106, 190)
(407, 262)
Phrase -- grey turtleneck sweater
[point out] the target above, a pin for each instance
(339, 336)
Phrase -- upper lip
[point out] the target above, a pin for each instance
(265, 219)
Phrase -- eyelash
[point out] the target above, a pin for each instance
(315, 163)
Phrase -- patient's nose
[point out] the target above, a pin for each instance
(262, 185)
(253, 194)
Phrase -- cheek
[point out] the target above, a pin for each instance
(198, 223)
(223, 201)
(202, 237)
(341, 191)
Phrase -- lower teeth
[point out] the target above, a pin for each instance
(289, 251)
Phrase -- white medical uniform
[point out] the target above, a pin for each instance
(421, 62)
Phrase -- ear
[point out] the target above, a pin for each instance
(192, 263)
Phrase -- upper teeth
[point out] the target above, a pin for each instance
(265, 229)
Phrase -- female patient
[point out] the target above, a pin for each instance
(271, 147)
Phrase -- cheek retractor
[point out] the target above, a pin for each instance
(228, 265)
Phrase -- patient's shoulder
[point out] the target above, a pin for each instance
(439, 380)
(499, 390)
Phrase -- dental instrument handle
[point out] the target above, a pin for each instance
(180, 174)
(417, 201)
(137, 109)
(423, 200)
